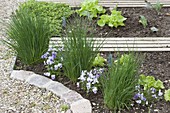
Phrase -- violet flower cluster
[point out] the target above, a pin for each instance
(89, 81)
(146, 97)
(53, 62)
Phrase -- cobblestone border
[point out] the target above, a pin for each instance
(76, 102)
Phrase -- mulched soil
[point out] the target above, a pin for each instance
(155, 63)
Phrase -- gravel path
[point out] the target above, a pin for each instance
(17, 96)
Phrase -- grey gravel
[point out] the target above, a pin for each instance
(17, 96)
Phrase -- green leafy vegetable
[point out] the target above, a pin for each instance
(99, 61)
(143, 21)
(90, 8)
(51, 13)
(113, 20)
(149, 81)
(167, 95)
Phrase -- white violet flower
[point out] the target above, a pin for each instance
(47, 74)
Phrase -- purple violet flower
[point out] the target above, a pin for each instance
(78, 84)
(94, 89)
(49, 62)
(44, 56)
(88, 86)
(136, 96)
(60, 65)
(50, 49)
(153, 90)
(53, 77)
(55, 67)
(54, 54)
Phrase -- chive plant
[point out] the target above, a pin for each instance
(28, 36)
(80, 48)
(118, 84)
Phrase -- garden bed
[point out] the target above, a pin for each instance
(155, 63)
(80, 55)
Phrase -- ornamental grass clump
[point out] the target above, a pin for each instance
(28, 36)
(80, 48)
(119, 82)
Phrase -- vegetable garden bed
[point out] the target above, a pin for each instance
(148, 98)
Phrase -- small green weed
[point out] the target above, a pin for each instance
(64, 107)
(143, 21)
(158, 6)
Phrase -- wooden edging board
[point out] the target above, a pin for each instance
(111, 3)
(127, 43)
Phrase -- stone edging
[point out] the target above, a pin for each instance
(77, 103)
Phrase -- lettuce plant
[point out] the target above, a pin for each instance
(149, 81)
(113, 20)
(148, 90)
(99, 61)
(167, 95)
(91, 9)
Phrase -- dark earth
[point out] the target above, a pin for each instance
(156, 64)
(133, 28)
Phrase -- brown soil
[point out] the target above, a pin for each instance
(133, 28)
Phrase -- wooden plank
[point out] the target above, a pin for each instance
(128, 43)
(111, 3)
(125, 38)
(134, 49)
(131, 49)
(131, 42)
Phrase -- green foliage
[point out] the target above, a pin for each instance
(99, 61)
(79, 51)
(51, 13)
(158, 6)
(119, 82)
(167, 95)
(28, 36)
(143, 21)
(114, 20)
(149, 81)
(90, 8)
(64, 107)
